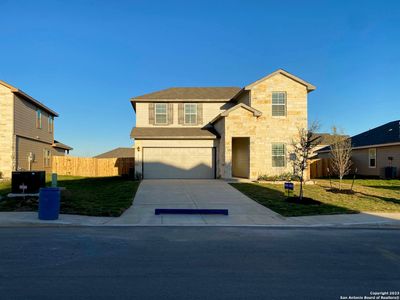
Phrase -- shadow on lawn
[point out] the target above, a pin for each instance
(387, 199)
(386, 187)
(275, 200)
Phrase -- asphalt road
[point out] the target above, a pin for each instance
(196, 263)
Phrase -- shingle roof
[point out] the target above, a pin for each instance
(57, 144)
(256, 113)
(325, 138)
(117, 153)
(388, 133)
(384, 134)
(173, 133)
(191, 93)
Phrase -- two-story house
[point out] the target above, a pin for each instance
(220, 132)
(26, 132)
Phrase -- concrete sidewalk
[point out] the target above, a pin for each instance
(31, 218)
(9, 219)
(216, 194)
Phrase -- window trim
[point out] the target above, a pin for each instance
(284, 105)
(39, 119)
(283, 155)
(196, 114)
(155, 114)
(370, 157)
(46, 158)
(50, 124)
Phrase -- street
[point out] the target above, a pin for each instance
(196, 262)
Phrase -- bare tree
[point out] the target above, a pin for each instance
(340, 155)
(302, 149)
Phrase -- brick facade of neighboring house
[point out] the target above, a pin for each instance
(220, 132)
(26, 132)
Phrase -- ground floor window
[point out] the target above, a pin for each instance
(372, 158)
(278, 155)
(46, 158)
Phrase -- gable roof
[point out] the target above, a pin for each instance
(309, 86)
(119, 152)
(256, 113)
(28, 98)
(190, 94)
(173, 133)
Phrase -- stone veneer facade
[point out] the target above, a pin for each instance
(245, 121)
(6, 131)
(265, 130)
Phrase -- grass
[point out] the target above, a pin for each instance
(370, 196)
(5, 188)
(100, 196)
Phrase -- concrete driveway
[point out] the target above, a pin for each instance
(178, 193)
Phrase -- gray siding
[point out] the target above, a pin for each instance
(25, 121)
(360, 160)
(24, 146)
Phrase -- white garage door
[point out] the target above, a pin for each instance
(192, 163)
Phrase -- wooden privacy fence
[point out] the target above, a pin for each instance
(92, 167)
(319, 168)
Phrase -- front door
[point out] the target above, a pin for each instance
(241, 157)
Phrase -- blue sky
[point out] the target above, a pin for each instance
(86, 59)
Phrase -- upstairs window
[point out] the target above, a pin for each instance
(190, 113)
(372, 157)
(278, 104)
(51, 124)
(278, 155)
(39, 119)
(160, 111)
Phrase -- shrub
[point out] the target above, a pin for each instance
(280, 177)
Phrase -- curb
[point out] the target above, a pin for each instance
(369, 225)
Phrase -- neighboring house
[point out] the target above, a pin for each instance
(60, 149)
(26, 132)
(220, 132)
(118, 153)
(375, 150)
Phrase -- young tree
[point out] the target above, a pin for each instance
(302, 150)
(340, 155)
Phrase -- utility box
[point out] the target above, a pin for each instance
(27, 182)
(390, 172)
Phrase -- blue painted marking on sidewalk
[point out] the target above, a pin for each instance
(191, 211)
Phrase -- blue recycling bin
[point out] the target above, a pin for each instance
(49, 203)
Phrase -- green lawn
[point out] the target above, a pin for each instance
(370, 196)
(100, 196)
(5, 187)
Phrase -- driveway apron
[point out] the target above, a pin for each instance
(210, 194)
